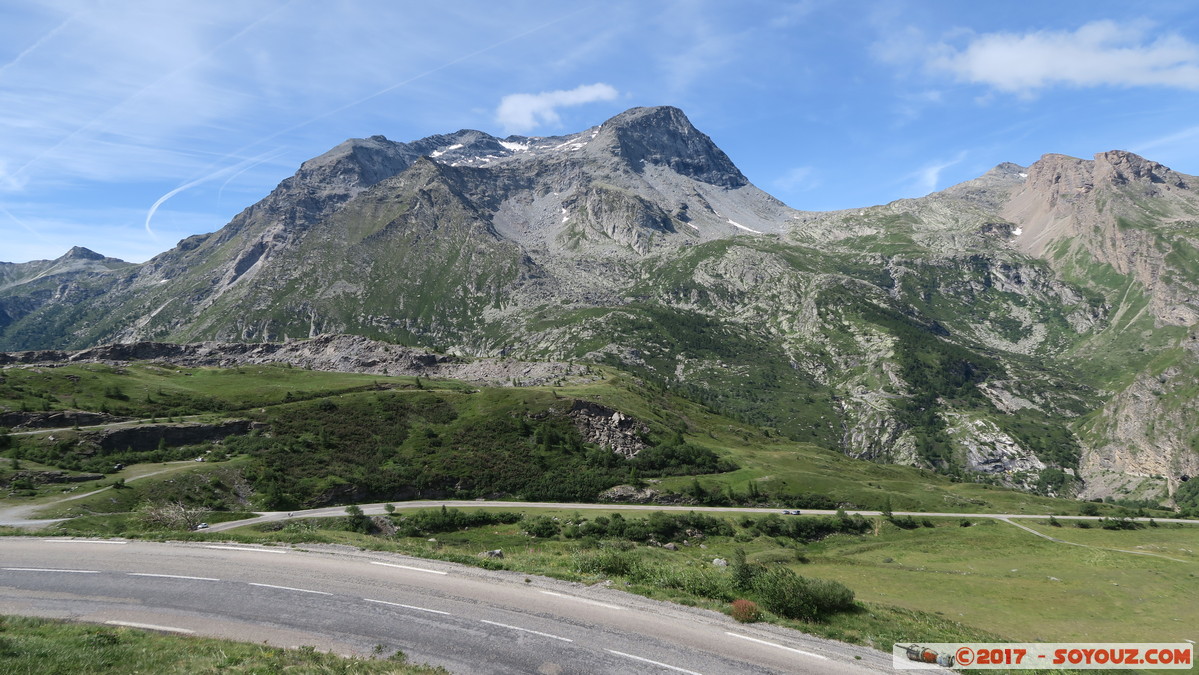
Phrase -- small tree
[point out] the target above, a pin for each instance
(742, 572)
(356, 520)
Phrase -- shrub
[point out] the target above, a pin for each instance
(542, 526)
(782, 592)
(742, 572)
(433, 521)
(794, 597)
(830, 596)
(357, 521)
(611, 562)
(746, 611)
(703, 582)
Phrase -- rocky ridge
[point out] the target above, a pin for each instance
(336, 353)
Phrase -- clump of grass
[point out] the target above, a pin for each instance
(746, 611)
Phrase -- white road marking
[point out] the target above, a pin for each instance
(149, 626)
(790, 649)
(289, 588)
(243, 548)
(82, 541)
(170, 576)
(656, 663)
(43, 569)
(589, 602)
(407, 567)
(420, 609)
(526, 630)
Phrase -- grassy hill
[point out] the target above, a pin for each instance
(331, 438)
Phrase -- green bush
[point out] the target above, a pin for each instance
(433, 521)
(794, 597)
(542, 526)
(357, 521)
(743, 573)
(1187, 496)
(703, 582)
(611, 562)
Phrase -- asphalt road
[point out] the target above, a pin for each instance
(466, 619)
(378, 509)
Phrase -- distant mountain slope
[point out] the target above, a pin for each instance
(66, 285)
(1032, 327)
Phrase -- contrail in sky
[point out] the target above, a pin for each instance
(347, 106)
(146, 88)
(33, 47)
(274, 155)
(410, 80)
(22, 223)
(243, 165)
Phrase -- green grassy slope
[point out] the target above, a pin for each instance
(328, 438)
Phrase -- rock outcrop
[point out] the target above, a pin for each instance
(338, 353)
(144, 437)
(56, 419)
(609, 428)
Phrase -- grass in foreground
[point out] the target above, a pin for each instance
(41, 646)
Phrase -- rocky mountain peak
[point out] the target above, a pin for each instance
(664, 136)
(1120, 167)
(356, 163)
(81, 253)
(1060, 175)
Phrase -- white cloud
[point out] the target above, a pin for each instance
(796, 179)
(927, 177)
(524, 112)
(1099, 53)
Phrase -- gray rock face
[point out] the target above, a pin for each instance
(56, 419)
(147, 437)
(337, 353)
(47, 477)
(609, 428)
(665, 137)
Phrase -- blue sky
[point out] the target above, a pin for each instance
(126, 126)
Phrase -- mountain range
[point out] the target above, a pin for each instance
(1035, 327)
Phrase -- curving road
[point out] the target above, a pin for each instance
(378, 509)
(21, 515)
(335, 598)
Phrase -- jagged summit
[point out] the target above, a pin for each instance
(1111, 168)
(664, 136)
(81, 253)
(639, 137)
